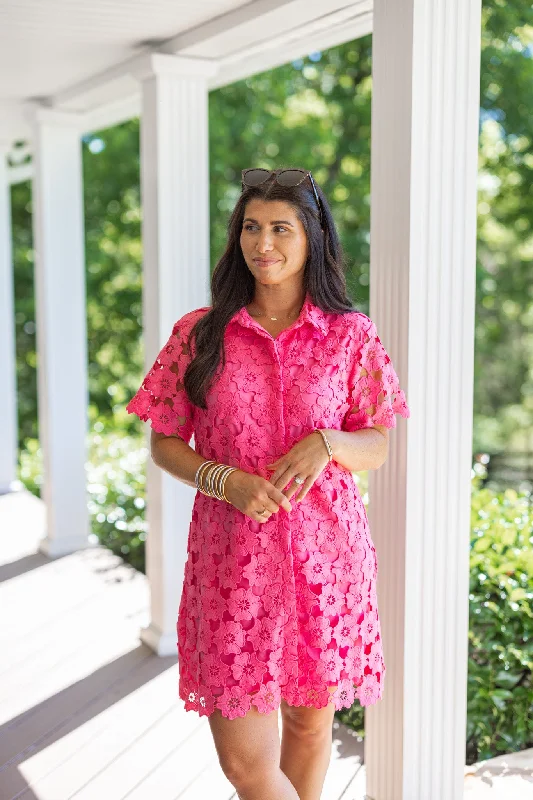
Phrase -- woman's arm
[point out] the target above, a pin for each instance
(242, 489)
(359, 450)
(356, 450)
(175, 456)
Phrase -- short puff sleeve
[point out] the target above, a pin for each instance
(374, 391)
(162, 398)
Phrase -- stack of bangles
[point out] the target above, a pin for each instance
(211, 476)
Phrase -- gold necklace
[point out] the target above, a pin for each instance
(274, 319)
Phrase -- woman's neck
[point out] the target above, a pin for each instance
(276, 307)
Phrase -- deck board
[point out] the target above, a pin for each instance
(57, 748)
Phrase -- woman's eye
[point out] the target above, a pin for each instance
(279, 227)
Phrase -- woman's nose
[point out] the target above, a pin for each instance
(264, 242)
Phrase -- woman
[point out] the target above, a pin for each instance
(287, 385)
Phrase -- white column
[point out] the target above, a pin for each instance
(58, 231)
(8, 402)
(425, 107)
(175, 196)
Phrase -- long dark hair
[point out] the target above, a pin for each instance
(233, 285)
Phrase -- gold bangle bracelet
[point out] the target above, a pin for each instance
(233, 469)
(222, 484)
(214, 476)
(221, 480)
(198, 476)
(211, 477)
(206, 479)
(326, 442)
(215, 479)
(207, 467)
(217, 474)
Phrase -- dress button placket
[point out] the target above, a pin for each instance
(285, 521)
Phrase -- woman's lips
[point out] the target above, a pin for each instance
(261, 262)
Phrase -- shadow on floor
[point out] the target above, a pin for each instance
(54, 718)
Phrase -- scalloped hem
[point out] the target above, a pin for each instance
(234, 701)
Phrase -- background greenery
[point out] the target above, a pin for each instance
(315, 112)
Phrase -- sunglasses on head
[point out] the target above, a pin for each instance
(285, 177)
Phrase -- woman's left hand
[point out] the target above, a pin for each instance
(306, 459)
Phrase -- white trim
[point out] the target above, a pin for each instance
(269, 55)
(19, 174)
(228, 25)
(231, 33)
(163, 644)
(292, 34)
(425, 107)
(175, 235)
(113, 113)
(35, 112)
(150, 64)
(60, 309)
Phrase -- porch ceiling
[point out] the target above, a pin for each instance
(78, 57)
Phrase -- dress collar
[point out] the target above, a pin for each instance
(309, 313)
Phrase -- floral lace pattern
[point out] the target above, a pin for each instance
(286, 608)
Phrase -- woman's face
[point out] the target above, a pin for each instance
(271, 231)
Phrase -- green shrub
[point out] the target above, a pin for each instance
(116, 487)
(500, 697)
(117, 491)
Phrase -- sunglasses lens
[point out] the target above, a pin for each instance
(291, 177)
(254, 177)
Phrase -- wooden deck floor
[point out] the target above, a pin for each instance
(88, 712)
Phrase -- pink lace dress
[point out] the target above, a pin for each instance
(286, 608)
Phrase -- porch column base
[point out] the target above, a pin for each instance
(8, 487)
(163, 644)
(55, 548)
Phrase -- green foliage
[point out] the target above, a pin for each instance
(116, 490)
(26, 355)
(116, 484)
(114, 270)
(503, 384)
(500, 692)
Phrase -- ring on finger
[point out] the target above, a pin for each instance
(298, 480)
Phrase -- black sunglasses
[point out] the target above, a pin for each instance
(285, 177)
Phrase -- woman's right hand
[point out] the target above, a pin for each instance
(251, 493)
